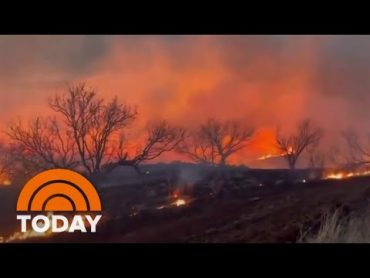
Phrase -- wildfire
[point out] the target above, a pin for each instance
(6, 182)
(346, 175)
(179, 202)
(4, 179)
(267, 156)
(29, 234)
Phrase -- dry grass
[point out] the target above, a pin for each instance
(335, 228)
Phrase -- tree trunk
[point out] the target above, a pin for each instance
(137, 169)
(223, 161)
(292, 174)
(292, 163)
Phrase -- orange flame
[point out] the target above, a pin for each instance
(267, 156)
(18, 236)
(345, 175)
(179, 202)
(5, 179)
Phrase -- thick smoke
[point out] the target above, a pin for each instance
(261, 80)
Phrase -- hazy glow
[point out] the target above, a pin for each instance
(261, 80)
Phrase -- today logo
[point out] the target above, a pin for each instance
(59, 190)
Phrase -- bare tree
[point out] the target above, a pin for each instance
(91, 122)
(214, 142)
(198, 148)
(6, 162)
(161, 137)
(86, 135)
(43, 143)
(316, 158)
(357, 152)
(292, 146)
(19, 165)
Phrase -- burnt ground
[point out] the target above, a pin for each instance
(279, 215)
(239, 211)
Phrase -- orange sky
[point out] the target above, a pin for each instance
(263, 81)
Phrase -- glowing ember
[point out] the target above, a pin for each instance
(337, 176)
(346, 175)
(267, 156)
(180, 202)
(7, 182)
(5, 179)
(29, 234)
(176, 203)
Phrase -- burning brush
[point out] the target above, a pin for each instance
(18, 236)
(176, 200)
(339, 175)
